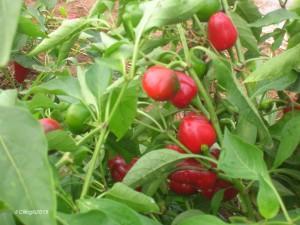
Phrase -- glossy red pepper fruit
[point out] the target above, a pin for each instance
(230, 192)
(20, 72)
(187, 91)
(196, 131)
(49, 124)
(160, 83)
(119, 168)
(222, 33)
(182, 188)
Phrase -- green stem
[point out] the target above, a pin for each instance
(147, 125)
(90, 135)
(92, 164)
(202, 91)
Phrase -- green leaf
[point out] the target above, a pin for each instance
(40, 101)
(28, 27)
(23, 157)
(158, 13)
(186, 214)
(98, 77)
(63, 85)
(287, 131)
(275, 67)
(125, 112)
(274, 17)
(240, 159)
(216, 201)
(249, 11)
(134, 199)
(202, 220)
(9, 16)
(246, 130)
(63, 33)
(236, 96)
(268, 204)
(92, 217)
(279, 83)
(151, 166)
(245, 34)
(7, 218)
(115, 211)
(8, 97)
(65, 48)
(61, 141)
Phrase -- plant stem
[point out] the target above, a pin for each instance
(90, 135)
(202, 91)
(92, 164)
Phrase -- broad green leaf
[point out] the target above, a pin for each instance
(23, 156)
(249, 12)
(151, 166)
(275, 67)
(92, 217)
(63, 33)
(274, 17)
(240, 159)
(9, 17)
(246, 130)
(280, 83)
(202, 220)
(86, 92)
(125, 111)
(268, 204)
(114, 210)
(186, 214)
(236, 96)
(245, 34)
(134, 199)
(28, 27)
(63, 85)
(287, 132)
(61, 141)
(40, 101)
(98, 77)
(158, 13)
(8, 97)
(6, 218)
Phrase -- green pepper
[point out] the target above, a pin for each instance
(208, 8)
(77, 117)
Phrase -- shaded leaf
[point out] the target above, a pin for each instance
(240, 159)
(9, 16)
(274, 17)
(134, 199)
(268, 204)
(23, 155)
(63, 33)
(275, 67)
(151, 166)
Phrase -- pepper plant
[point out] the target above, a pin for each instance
(150, 112)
